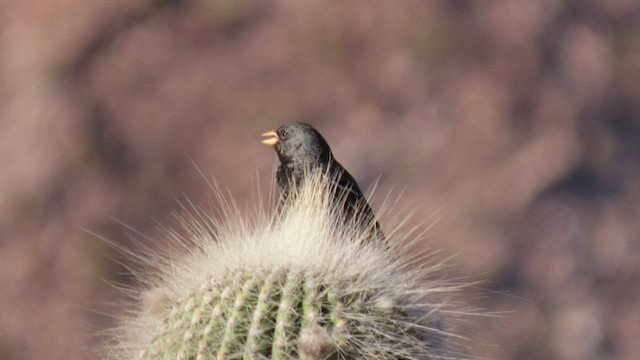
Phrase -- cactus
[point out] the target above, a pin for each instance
(300, 284)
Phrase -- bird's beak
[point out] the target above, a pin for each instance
(272, 140)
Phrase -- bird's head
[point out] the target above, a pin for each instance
(298, 142)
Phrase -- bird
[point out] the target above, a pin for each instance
(301, 149)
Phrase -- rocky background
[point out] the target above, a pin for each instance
(517, 123)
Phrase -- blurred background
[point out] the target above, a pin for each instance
(520, 120)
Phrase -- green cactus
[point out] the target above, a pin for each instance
(301, 286)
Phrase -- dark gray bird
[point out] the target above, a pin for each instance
(302, 149)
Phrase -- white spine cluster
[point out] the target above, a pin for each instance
(301, 283)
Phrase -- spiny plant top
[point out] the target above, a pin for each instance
(298, 284)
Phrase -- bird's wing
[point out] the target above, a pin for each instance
(343, 181)
(348, 188)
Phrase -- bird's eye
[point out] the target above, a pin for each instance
(284, 135)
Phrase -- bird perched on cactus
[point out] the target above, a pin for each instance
(300, 283)
(302, 150)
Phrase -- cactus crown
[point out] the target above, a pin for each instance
(299, 284)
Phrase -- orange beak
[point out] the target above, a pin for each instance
(272, 140)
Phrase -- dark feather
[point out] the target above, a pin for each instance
(302, 149)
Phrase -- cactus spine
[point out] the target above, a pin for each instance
(299, 285)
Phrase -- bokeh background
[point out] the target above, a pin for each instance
(517, 122)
